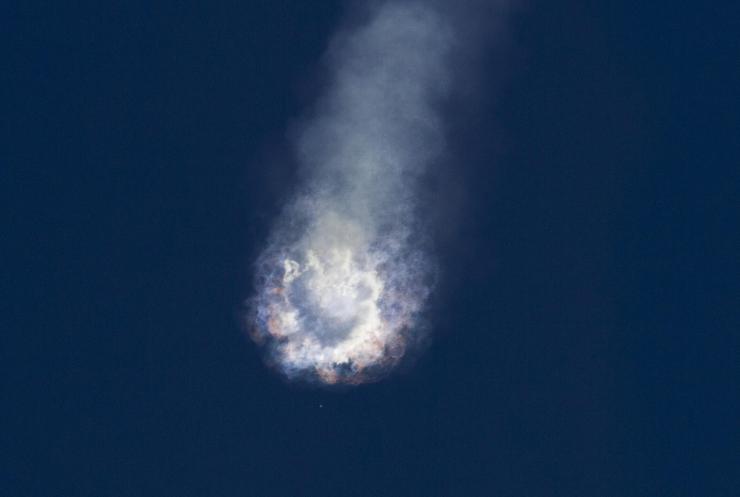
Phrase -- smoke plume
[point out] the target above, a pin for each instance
(342, 283)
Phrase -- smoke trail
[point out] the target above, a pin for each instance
(345, 275)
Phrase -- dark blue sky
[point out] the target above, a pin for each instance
(585, 331)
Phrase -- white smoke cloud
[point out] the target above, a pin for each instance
(346, 272)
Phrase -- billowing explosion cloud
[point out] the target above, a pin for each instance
(345, 275)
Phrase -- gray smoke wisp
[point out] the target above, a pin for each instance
(345, 275)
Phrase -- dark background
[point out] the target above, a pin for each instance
(586, 334)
